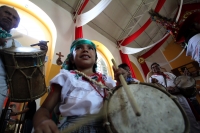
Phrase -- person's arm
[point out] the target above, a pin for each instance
(118, 72)
(18, 113)
(41, 121)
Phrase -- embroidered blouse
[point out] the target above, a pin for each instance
(78, 95)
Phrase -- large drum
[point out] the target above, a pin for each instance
(24, 67)
(186, 85)
(159, 112)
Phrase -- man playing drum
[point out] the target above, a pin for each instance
(9, 19)
(167, 80)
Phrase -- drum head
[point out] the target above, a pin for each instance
(22, 50)
(159, 113)
(184, 82)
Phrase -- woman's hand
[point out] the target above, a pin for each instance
(46, 126)
(43, 45)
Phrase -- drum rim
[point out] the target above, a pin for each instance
(185, 87)
(107, 102)
(12, 52)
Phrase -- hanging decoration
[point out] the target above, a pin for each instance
(128, 50)
(142, 29)
(91, 14)
(168, 23)
(59, 61)
(124, 57)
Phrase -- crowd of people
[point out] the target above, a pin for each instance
(78, 89)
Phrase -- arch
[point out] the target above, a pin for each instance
(32, 9)
(137, 72)
(107, 54)
(39, 14)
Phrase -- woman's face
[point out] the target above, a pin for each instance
(84, 56)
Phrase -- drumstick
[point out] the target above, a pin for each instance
(128, 92)
(38, 43)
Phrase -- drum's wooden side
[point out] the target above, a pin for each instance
(25, 75)
(186, 85)
(159, 113)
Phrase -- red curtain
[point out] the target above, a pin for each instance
(78, 30)
(132, 37)
(138, 32)
(126, 60)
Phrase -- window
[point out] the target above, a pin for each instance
(101, 64)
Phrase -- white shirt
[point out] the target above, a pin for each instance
(78, 97)
(3, 84)
(169, 80)
(193, 47)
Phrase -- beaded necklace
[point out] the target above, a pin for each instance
(94, 82)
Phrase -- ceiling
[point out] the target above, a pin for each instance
(121, 18)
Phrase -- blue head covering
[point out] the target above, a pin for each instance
(67, 65)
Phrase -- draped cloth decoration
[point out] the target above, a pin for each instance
(125, 58)
(135, 35)
(142, 29)
(128, 50)
(142, 58)
(78, 30)
(91, 14)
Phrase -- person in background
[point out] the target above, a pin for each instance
(9, 19)
(167, 80)
(80, 91)
(29, 112)
(129, 77)
(192, 38)
(185, 71)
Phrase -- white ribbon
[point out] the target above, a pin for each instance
(128, 50)
(179, 12)
(163, 64)
(91, 14)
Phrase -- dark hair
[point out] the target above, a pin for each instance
(5, 6)
(123, 65)
(154, 64)
(189, 33)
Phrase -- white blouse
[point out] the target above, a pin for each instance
(78, 96)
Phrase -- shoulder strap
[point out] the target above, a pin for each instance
(165, 80)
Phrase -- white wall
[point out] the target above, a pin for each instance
(63, 22)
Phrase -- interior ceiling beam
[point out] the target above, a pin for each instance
(123, 35)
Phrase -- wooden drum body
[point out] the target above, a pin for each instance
(24, 67)
(159, 112)
(186, 85)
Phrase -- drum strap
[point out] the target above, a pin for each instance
(165, 80)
